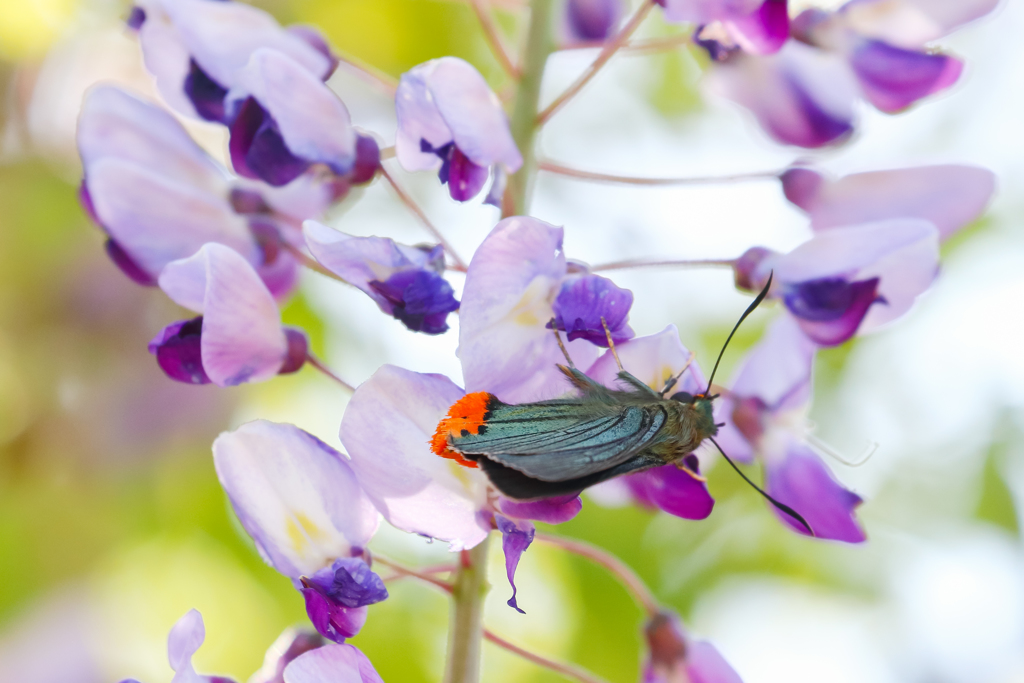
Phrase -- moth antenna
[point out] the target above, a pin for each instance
(781, 506)
(611, 343)
(750, 309)
(672, 381)
(558, 338)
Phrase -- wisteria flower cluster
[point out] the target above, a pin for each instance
(228, 243)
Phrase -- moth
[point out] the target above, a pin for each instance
(531, 451)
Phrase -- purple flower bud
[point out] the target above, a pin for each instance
(801, 186)
(367, 160)
(592, 20)
(421, 299)
(749, 271)
(336, 597)
(584, 301)
(178, 351)
(516, 537)
(298, 351)
(830, 310)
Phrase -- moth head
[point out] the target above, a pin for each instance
(703, 405)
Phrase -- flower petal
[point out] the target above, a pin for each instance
(830, 310)
(242, 338)
(763, 31)
(549, 510)
(673, 490)
(586, 303)
(912, 23)
(414, 489)
(893, 78)
(778, 369)
(296, 496)
(802, 481)
(706, 11)
(516, 537)
(179, 351)
(185, 637)
(591, 20)
(950, 196)
(332, 664)
(705, 664)
(288, 646)
(654, 360)
(507, 301)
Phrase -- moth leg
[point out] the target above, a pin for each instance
(680, 465)
(611, 343)
(558, 338)
(672, 382)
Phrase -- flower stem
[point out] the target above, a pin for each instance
(673, 263)
(539, 44)
(552, 167)
(626, 576)
(466, 626)
(483, 14)
(415, 208)
(570, 671)
(369, 73)
(609, 50)
(319, 365)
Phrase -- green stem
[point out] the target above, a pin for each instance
(539, 45)
(466, 626)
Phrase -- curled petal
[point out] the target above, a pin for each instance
(801, 480)
(511, 284)
(912, 23)
(414, 489)
(549, 510)
(242, 337)
(296, 496)
(893, 78)
(186, 636)
(516, 537)
(332, 664)
(950, 196)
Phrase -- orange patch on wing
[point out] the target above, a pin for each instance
(467, 415)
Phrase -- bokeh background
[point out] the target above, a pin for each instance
(112, 523)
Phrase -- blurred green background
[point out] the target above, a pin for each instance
(112, 523)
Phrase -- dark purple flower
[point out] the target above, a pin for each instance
(831, 309)
(584, 301)
(178, 351)
(516, 537)
(421, 299)
(335, 594)
(591, 20)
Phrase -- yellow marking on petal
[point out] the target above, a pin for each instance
(301, 531)
(534, 306)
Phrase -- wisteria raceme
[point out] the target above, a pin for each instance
(534, 327)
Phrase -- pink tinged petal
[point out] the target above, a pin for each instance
(242, 338)
(386, 430)
(156, 220)
(511, 284)
(653, 360)
(778, 369)
(802, 481)
(950, 196)
(763, 31)
(312, 122)
(550, 510)
(516, 537)
(893, 78)
(672, 490)
(800, 96)
(705, 664)
(296, 496)
(706, 11)
(115, 124)
(332, 664)
(447, 100)
(186, 636)
(912, 23)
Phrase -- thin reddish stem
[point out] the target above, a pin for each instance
(674, 263)
(560, 169)
(413, 573)
(382, 81)
(415, 208)
(626, 576)
(497, 45)
(570, 671)
(319, 365)
(607, 52)
(638, 47)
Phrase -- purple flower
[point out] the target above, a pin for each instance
(332, 663)
(591, 20)
(673, 657)
(757, 27)
(450, 121)
(848, 280)
(304, 508)
(517, 278)
(238, 338)
(516, 537)
(584, 301)
(405, 282)
(186, 636)
(197, 50)
(654, 360)
(950, 196)
(765, 413)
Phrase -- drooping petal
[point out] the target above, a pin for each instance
(800, 96)
(801, 480)
(516, 537)
(296, 496)
(549, 510)
(584, 301)
(654, 360)
(185, 637)
(912, 23)
(510, 287)
(242, 337)
(332, 664)
(337, 597)
(157, 220)
(446, 100)
(673, 490)
(763, 31)
(288, 646)
(950, 196)
(414, 489)
(893, 78)
(591, 20)
(296, 117)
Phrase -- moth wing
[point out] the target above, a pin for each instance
(557, 441)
